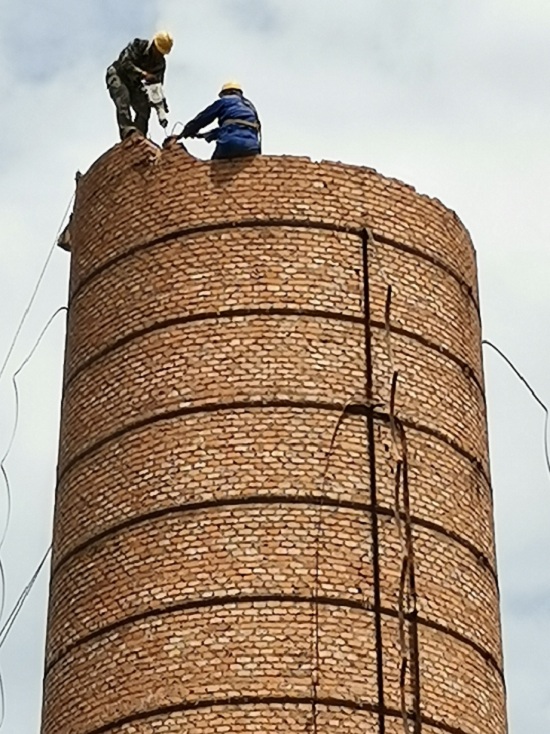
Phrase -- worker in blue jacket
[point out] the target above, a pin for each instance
(239, 131)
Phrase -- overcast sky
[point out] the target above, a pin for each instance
(452, 96)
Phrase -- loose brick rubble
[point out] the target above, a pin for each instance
(214, 565)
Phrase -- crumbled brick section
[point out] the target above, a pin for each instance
(219, 566)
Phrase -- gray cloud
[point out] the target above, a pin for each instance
(260, 16)
(40, 38)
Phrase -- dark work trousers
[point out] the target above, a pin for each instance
(125, 96)
(229, 150)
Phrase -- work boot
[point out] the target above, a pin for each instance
(128, 131)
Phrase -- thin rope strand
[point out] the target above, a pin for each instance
(17, 373)
(533, 394)
(36, 288)
(12, 618)
(20, 602)
(3, 587)
(3, 470)
(2, 701)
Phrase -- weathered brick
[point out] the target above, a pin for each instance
(215, 562)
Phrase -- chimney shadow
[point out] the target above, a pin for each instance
(222, 172)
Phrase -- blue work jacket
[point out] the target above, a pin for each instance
(232, 139)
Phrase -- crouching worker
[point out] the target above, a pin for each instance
(239, 131)
(140, 62)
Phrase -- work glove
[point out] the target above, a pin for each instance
(188, 131)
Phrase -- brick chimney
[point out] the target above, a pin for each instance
(274, 510)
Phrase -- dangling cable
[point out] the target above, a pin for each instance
(12, 618)
(534, 395)
(35, 291)
(2, 702)
(4, 535)
(174, 128)
(16, 421)
(316, 657)
(8, 624)
(4, 474)
(3, 588)
(14, 381)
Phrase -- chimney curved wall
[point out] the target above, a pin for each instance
(228, 555)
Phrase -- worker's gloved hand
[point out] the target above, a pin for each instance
(188, 131)
(210, 136)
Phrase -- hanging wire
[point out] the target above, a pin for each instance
(534, 395)
(315, 673)
(175, 127)
(4, 534)
(2, 588)
(18, 606)
(7, 483)
(36, 288)
(16, 390)
(10, 621)
(3, 470)
(4, 631)
(2, 701)
(407, 588)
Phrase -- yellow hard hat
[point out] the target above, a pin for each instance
(163, 42)
(231, 86)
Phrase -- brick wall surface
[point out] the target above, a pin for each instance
(253, 531)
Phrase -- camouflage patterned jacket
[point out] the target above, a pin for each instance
(138, 57)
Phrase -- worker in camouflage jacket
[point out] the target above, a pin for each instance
(239, 130)
(140, 62)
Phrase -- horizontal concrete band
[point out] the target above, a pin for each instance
(295, 224)
(342, 408)
(280, 500)
(275, 598)
(466, 368)
(247, 701)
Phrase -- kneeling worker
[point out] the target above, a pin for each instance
(239, 130)
(141, 61)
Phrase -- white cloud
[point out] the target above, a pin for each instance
(42, 38)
